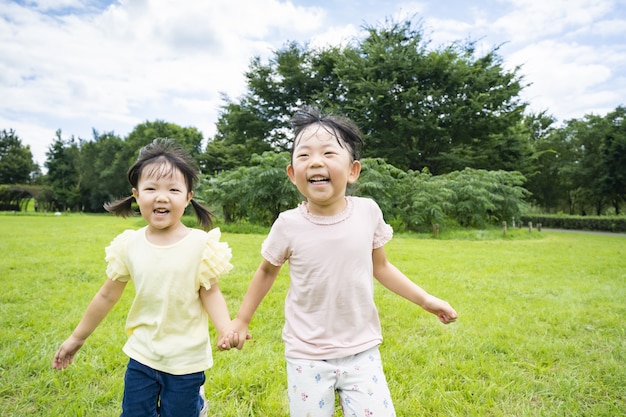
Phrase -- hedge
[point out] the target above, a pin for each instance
(592, 223)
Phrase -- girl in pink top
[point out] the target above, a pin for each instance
(175, 271)
(334, 245)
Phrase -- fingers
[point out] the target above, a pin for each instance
(448, 317)
(61, 360)
(233, 336)
(223, 343)
(242, 341)
(232, 340)
(238, 341)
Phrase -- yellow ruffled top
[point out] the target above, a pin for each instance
(214, 261)
(167, 323)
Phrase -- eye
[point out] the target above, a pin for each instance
(302, 155)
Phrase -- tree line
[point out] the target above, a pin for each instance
(439, 123)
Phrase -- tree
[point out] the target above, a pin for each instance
(102, 170)
(580, 167)
(585, 169)
(16, 160)
(257, 193)
(218, 157)
(63, 174)
(409, 200)
(442, 109)
(190, 138)
(241, 132)
(484, 197)
(541, 167)
(613, 157)
(259, 122)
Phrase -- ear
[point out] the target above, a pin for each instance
(291, 174)
(135, 193)
(355, 171)
(189, 196)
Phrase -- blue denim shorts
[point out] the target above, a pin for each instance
(151, 393)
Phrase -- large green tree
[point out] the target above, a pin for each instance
(259, 122)
(444, 109)
(16, 159)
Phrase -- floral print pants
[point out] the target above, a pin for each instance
(359, 380)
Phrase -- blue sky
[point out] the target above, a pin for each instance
(76, 65)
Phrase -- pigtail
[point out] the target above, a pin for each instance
(165, 152)
(122, 207)
(202, 214)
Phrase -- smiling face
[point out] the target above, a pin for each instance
(162, 196)
(321, 168)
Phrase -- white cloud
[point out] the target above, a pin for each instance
(133, 61)
(569, 77)
(572, 52)
(78, 65)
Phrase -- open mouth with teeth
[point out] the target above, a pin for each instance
(161, 211)
(319, 180)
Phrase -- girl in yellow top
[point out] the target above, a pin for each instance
(175, 272)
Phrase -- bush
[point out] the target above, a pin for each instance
(593, 223)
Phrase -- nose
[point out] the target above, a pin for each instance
(161, 197)
(316, 160)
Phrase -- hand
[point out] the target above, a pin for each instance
(233, 335)
(65, 355)
(227, 341)
(441, 309)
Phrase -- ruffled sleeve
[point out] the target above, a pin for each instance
(215, 259)
(115, 256)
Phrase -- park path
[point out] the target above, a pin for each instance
(591, 232)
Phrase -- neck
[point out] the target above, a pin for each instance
(166, 236)
(327, 210)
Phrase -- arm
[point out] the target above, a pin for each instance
(391, 277)
(100, 305)
(260, 285)
(215, 306)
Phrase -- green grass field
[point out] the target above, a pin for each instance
(540, 332)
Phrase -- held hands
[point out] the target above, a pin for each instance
(440, 308)
(233, 335)
(65, 355)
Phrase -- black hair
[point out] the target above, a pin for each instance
(170, 157)
(343, 129)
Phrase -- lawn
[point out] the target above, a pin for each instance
(540, 332)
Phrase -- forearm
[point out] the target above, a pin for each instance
(394, 280)
(391, 277)
(260, 285)
(97, 310)
(215, 306)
